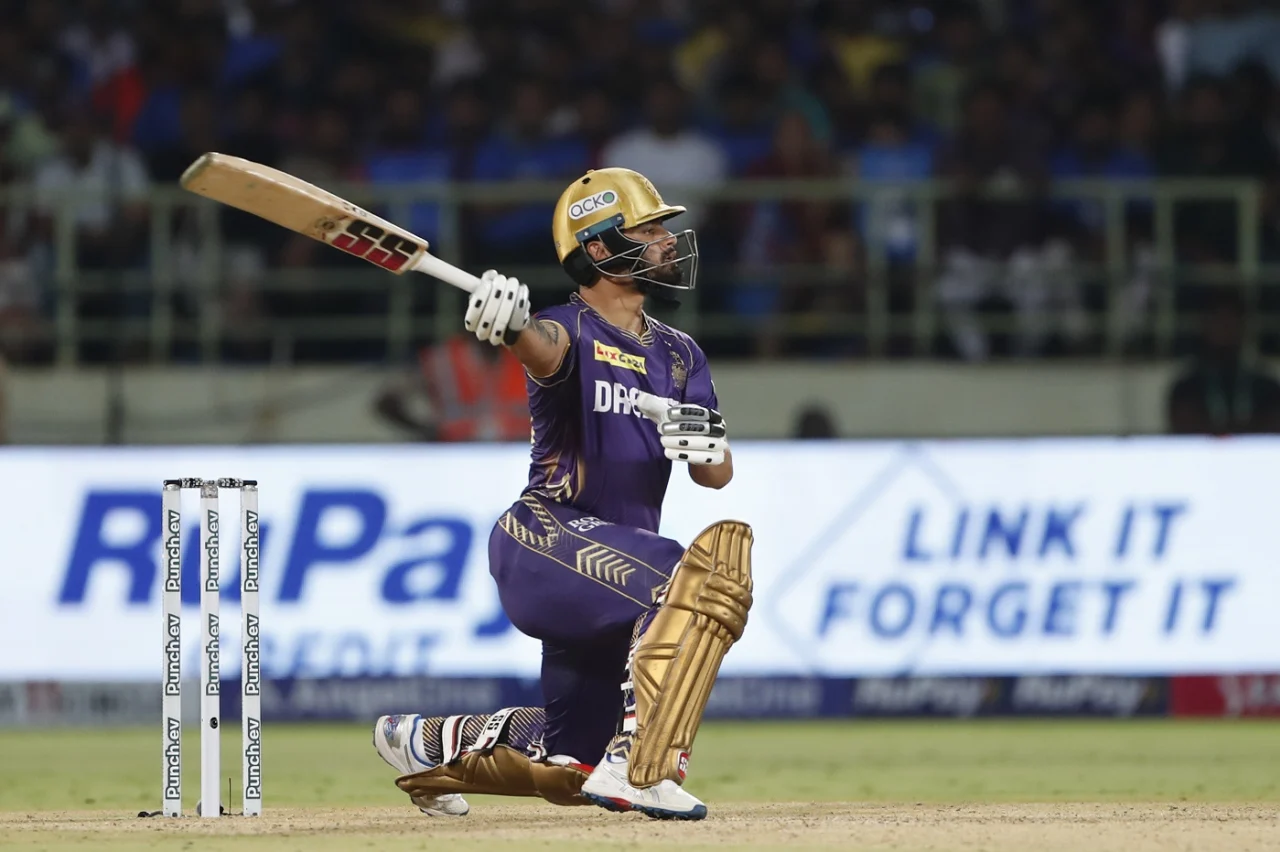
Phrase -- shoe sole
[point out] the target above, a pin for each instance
(442, 814)
(620, 806)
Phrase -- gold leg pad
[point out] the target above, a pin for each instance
(675, 663)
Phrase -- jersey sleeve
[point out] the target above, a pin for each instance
(567, 316)
(699, 390)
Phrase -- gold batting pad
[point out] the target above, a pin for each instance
(503, 771)
(559, 783)
(675, 663)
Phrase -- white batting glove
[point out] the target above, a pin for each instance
(498, 310)
(690, 433)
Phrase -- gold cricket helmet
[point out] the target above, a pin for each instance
(602, 204)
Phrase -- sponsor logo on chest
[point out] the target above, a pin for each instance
(615, 357)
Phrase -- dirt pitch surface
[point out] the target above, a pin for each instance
(1082, 826)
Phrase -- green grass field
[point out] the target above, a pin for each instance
(899, 785)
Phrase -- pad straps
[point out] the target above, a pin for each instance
(494, 733)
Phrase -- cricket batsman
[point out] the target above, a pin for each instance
(633, 625)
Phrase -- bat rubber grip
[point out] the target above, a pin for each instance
(446, 272)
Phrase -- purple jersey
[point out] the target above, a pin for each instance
(592, 448)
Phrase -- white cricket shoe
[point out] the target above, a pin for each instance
(608, 787)
(398, 740)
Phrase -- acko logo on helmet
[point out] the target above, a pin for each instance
(592, 203)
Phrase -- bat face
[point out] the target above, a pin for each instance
(307, 209)
(366, 240)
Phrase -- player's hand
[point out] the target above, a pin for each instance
(690, 433)
(498, 310)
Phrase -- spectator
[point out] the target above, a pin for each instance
(887, 164)
(410, 93)
(739, 126)
(401, 156)
(889, 157)
(457, 57)
(596, 123)
(1074, 65)
(942, 79)
(1021, 74)
(1138, 126)
(251, 133)
(523, 149)
(1220, 393)
(857, 46)
(668, 151)
(8, 118)
(846, 112)
(1095, 151)
(811, 234)
(21, 302)
(197, 133)
(298, 74)
(255, 45)
(780, 89)
(718, 39)
(997, 249)
(1229, 33)
(19, 298)
(103, 53)
(26, 139)
(1172, 41)
(462, 390)
(602, 54)
(20, 323)
(326, 150)
(102, 187)
(247, 238)
(814, 422)
(171, 68)
(357, 90)
(326, 157)
(1205, 142)
(1132, 43)
(158, 123)
(892, 94)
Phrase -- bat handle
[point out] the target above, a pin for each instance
(446, 272)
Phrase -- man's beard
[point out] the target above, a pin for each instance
(669, 272)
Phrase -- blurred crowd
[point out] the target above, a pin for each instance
(119, 96)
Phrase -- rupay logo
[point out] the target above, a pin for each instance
(412, 559)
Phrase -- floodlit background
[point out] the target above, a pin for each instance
(990, 291)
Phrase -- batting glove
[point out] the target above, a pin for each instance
(498, 310)
(690, 433)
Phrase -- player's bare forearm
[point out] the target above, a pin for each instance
(713, 475)
(541, 347)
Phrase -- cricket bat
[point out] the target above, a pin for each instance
(307, 209)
